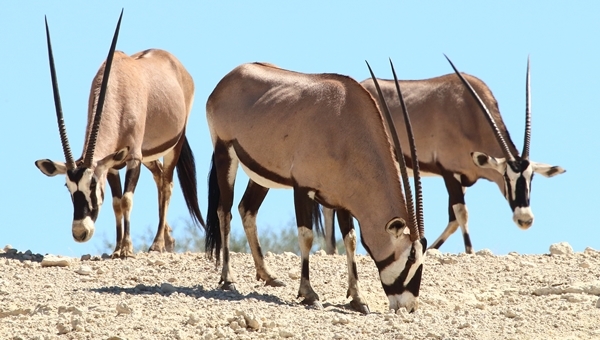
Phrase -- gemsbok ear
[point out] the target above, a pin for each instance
(396, 227)
(547, 170)
(51, 168)
(113, 159)
(485, 161)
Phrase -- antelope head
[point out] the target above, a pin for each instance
(85, 178)
(401, 275)
(516, 170)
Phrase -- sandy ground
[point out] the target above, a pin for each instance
(176, 296)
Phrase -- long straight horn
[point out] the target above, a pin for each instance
(89, 153)
(527, 115)
(414, 231)
(413, 155)
(488, 115)
(59, 114)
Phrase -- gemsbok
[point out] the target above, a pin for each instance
(323, 136)
(461, 137)
(135, 116)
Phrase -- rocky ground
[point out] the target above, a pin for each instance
(176, 296)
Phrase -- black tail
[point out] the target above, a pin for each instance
(213, 228)
(186, 172)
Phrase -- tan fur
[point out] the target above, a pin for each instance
(320, 131)
(447, 123)
(147, 104)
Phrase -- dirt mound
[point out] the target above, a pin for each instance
(176, 296)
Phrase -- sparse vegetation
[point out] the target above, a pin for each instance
(188, 237)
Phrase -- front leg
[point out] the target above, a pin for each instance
(349, 236)
(131, 179)
(114, 182)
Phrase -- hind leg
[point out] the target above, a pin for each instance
(304, 209)
(163, 241)
(349, 235)
(248, 208)
(226, 165)
(457, 212)
(328, 215)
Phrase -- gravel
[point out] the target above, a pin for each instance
(176, 296)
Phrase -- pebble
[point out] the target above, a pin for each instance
(84, 270)
(193, 319)
(432, 252)
(285, 334)
(562, 248)
(86, 257)
(294, 274)
(598, 303)
(55, 261)
(63, 327)
(167, 288)
(320, 252)
(123, 308)
(448, 260)
(485, 252)
(342, 320)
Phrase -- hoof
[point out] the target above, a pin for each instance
(360, 307)
(275, 283)
(116, 254)
(316, 304)
(157, 248)
(127, 254)
(228, 286)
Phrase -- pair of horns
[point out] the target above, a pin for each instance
(417, 229)
(490, 119)
(89, 152)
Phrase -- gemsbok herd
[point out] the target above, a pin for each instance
(345, 146)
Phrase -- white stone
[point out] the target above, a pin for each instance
(294, 274)
(435, 253)
(55, 261)
(285, 334)
(562, 248)
(84, 270)
(448, 260)
(320, 252)
(123, 308)
(485, 252)
(193, 319)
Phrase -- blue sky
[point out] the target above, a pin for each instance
(488, 39)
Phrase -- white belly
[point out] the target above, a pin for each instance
(263, 181)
